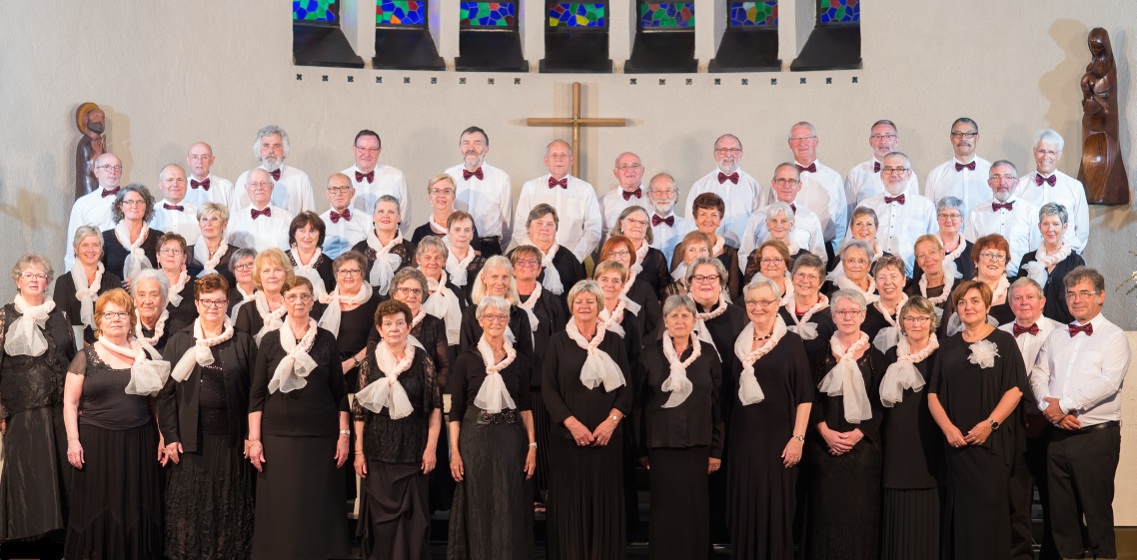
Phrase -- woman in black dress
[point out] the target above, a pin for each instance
(306, 238)
(385, 248)
(491, 435)
(976, 384)
(647, 308)
(560, 270)
(843, 457)
(957, 250)
(496, 279)
(75, 292)
(211, 254)
(131, 245)
(398, 416)
(586, 392)
(772, 258)
(1052, 261)
(770, 408)
(462, 262)
(116, 504)
(707, 211)
(932, 280)
(350, 313)
(297, 402)
(152, 324)
(807, 314)
(244, 286)
(882, 318)
(682, 437)
(203, 413)
(649, 264)
(912, 473)
(266, 311)
(442, 299)
(617, 314)
(179, 296)
(37, 344)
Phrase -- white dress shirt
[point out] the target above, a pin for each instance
(1083, 372)
(182, 222)
(341, 236)
(489, 200)
(293, 192)
(388, 180)
(665, 237)
(863, 181)
(91, 209)
(263, 233)
(807, 234)
(220, 191)
(1030, 344)
(901, 224)
(577, 209)
(612, 203)
(741, 200)
(824, 193)
(1068, 192)
(967, 185)
(1019, 226)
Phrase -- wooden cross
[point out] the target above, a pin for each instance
(576, 122)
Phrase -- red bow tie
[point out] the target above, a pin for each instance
(1004, 206)
(466, 174)
(110, 192)
(336, 216)
(267, 212)
(194, 183)
(638, 193)
(1087, 328)
(177, 207)
(1039, 179)
(275, 175)
(794, 208)
(876, 167)
(656, 220)
(1017, 330)
(890, 200)
(723, 177)
(370, 176)
(563, 183)
(962, 166)
(812, 168)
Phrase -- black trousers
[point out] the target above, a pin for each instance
(1080, 471)
(1021, 497)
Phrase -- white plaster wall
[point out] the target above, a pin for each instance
(169, 74)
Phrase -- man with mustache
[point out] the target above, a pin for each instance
(741, 193)
(292, 190)
(667, 229)
(372, 179)
(484, 192)
(964, 176)
(902, 215)
(1007, 214)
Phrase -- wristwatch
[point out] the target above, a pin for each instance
(994, 424)
(615, 418)
(799, 437)
(345, 432)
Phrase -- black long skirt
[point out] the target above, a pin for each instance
(910, 523)
(394, 519)
(541, 427)
(301, 510)
(33, 485)
(116, 505)
(680, 511)
(586, 500)
(843, 514)
(209, 502)
(762, 503)
(492, 516)
(980, 518)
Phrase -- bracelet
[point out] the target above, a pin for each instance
(533, 444)
(355, 361)
(253, 441)
(345, 432)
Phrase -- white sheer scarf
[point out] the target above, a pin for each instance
(845, 380)
(458, 268)
(493, 396)
(292, 371)
(86, 292)
(599, 368)
(638, 267)
(677, 382)
(843, 282)
(1038, 269)
(902, 374)
(387, 391)
(701, 319)
(272, 319)
(749, 392)
(159, 327)
(149, 373)
(333, 314)
(444, 304)
(175, 291)
(309, 271)
(552, 280)
(949, 282)
(25, 336)
(209, 262)
(200, 354)
(385, 263)
(802, 326)
(889, 336)
(950, 268)
(136, 259)
(529, 304)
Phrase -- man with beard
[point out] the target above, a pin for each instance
(1015, 218)
(292, 190)
(372, 179)
(629, 191)
(806, 233)
(204, 186)
(94, 208)
(822, 189)
(863, 180)
(739, 191)
(667, 229)
(261, 225)
(92, 145)
(574, 199)
(902, 216)
(175, 214)
(962, 177)
(484, 192)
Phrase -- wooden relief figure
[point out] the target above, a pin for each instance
(1102, 171)
(91, 121)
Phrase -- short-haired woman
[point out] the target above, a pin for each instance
(75, 292)
(131, 245)
(306, 236)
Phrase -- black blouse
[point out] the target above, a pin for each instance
(912, 443)
(64, 297)
(831, 410)
(651, 310)
(185, 313)
(729, 259)
(518, 324)
(309, 411)
(431, 333)
(1055, 288)
(566, 396)
(816, 348)
(402, 440)
(570, 269)
(195, 267)
(104, 402)
(249, 319)
(552, 316)
(28, 382)
(114, 254)
(724, 331)
(472, 271)
(405, 251)
(470, 373)
(697, 421)
(323, 268)
(654, 272)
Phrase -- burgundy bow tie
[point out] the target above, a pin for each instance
(194, 183)
(723, 177)
(177, 207)
(812, 168)
(267, 212)
(275, 175)
(336, 216)
(794, 208)
(370, 176)
(1039, 179)
(890, 200)
(563, 183)
(466, 174)
(1017, 330)
(638, 193)
(656, 220)
(1003, 206)
(1087, 328)
(962, 166)
(876, 167)
(110, 192)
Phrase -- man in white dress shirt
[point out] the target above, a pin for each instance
(174, 214)
(1007, 215)
(738, 190)
(1047, 184)
(293, 189)
(965, 176)
(372, 179)
(261, 225)
(344, 227)
(483, 191)
(822, 189)
(573, 198)
(902, 216)
(863, 180)
(94, 208)
(667, 229)
(629, 191)
(204, 186)
(1077, 381)
(807, 233)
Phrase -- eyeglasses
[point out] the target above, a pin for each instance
(447, 192)
(261, 184)
(109, 168)
(879, 137)
(1081, 295)
(993, 256)
(293, 298)
(200, 157)
(801, 138)
(349, 273)
(700, 279)
(968, 135)
(33, 276)
(1049, 153)
(626, 168)
(946, 216)
(636, 221)
(339, 190)
(785, 182)
(367, 150)
(171, 251)
(761, 302)
(243, 267)
(495, 318)
(847, 313)
(772, 260)
(409, 292)
(113, 315)
(134, 203)
(527, 262)
(917, 319)
(856, 262)
(897, 170)
(731, 151)
(1008, 178)
(618, 254)
(211, 303)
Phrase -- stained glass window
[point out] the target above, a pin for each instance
(488, 14)
(839, 11)
(314, 10)
(668, 15)
(754, 14)
(400, 12)
(577, 14)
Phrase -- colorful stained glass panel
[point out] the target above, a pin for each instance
(667, 15)
(313, 10)
(754, 14)
(400, 12)
(838, 11)
(578, 15)
(488, 14)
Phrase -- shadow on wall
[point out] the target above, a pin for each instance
(1060, 86)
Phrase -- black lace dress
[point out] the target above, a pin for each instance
(35, 476)
(323, 268)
